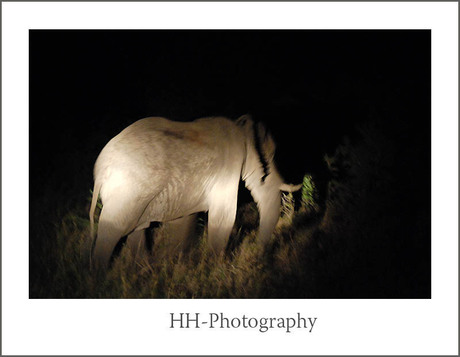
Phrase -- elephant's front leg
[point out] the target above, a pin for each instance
(221, 218)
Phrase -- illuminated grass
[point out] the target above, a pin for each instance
(241, 273)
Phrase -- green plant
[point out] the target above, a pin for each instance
(309, 193)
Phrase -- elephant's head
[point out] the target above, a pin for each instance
(261, 175)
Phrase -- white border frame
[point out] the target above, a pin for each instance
(142, 326)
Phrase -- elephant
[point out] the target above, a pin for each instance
(158, 170)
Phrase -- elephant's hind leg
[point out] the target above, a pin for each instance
(137, 244)
(108, 236)
(140, 242)
(114, 224)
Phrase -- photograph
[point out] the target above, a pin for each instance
(230, 164)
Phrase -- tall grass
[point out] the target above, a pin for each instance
(241, 273)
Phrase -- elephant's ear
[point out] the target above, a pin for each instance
(247, 124)
(266, 143)
(245, 121)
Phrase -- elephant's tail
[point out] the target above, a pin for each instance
(96, 189)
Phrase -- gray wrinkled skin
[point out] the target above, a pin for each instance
(157, 170)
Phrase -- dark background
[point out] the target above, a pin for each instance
(310, 88)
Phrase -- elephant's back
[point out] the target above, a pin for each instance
(154, 133)
(155, 138)
(157, 147)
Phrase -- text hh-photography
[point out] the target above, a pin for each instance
(262, 324)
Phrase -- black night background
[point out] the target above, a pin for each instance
(351, 109)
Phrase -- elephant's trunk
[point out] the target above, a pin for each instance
(267, 195)
(269, 211)
(285, 187)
